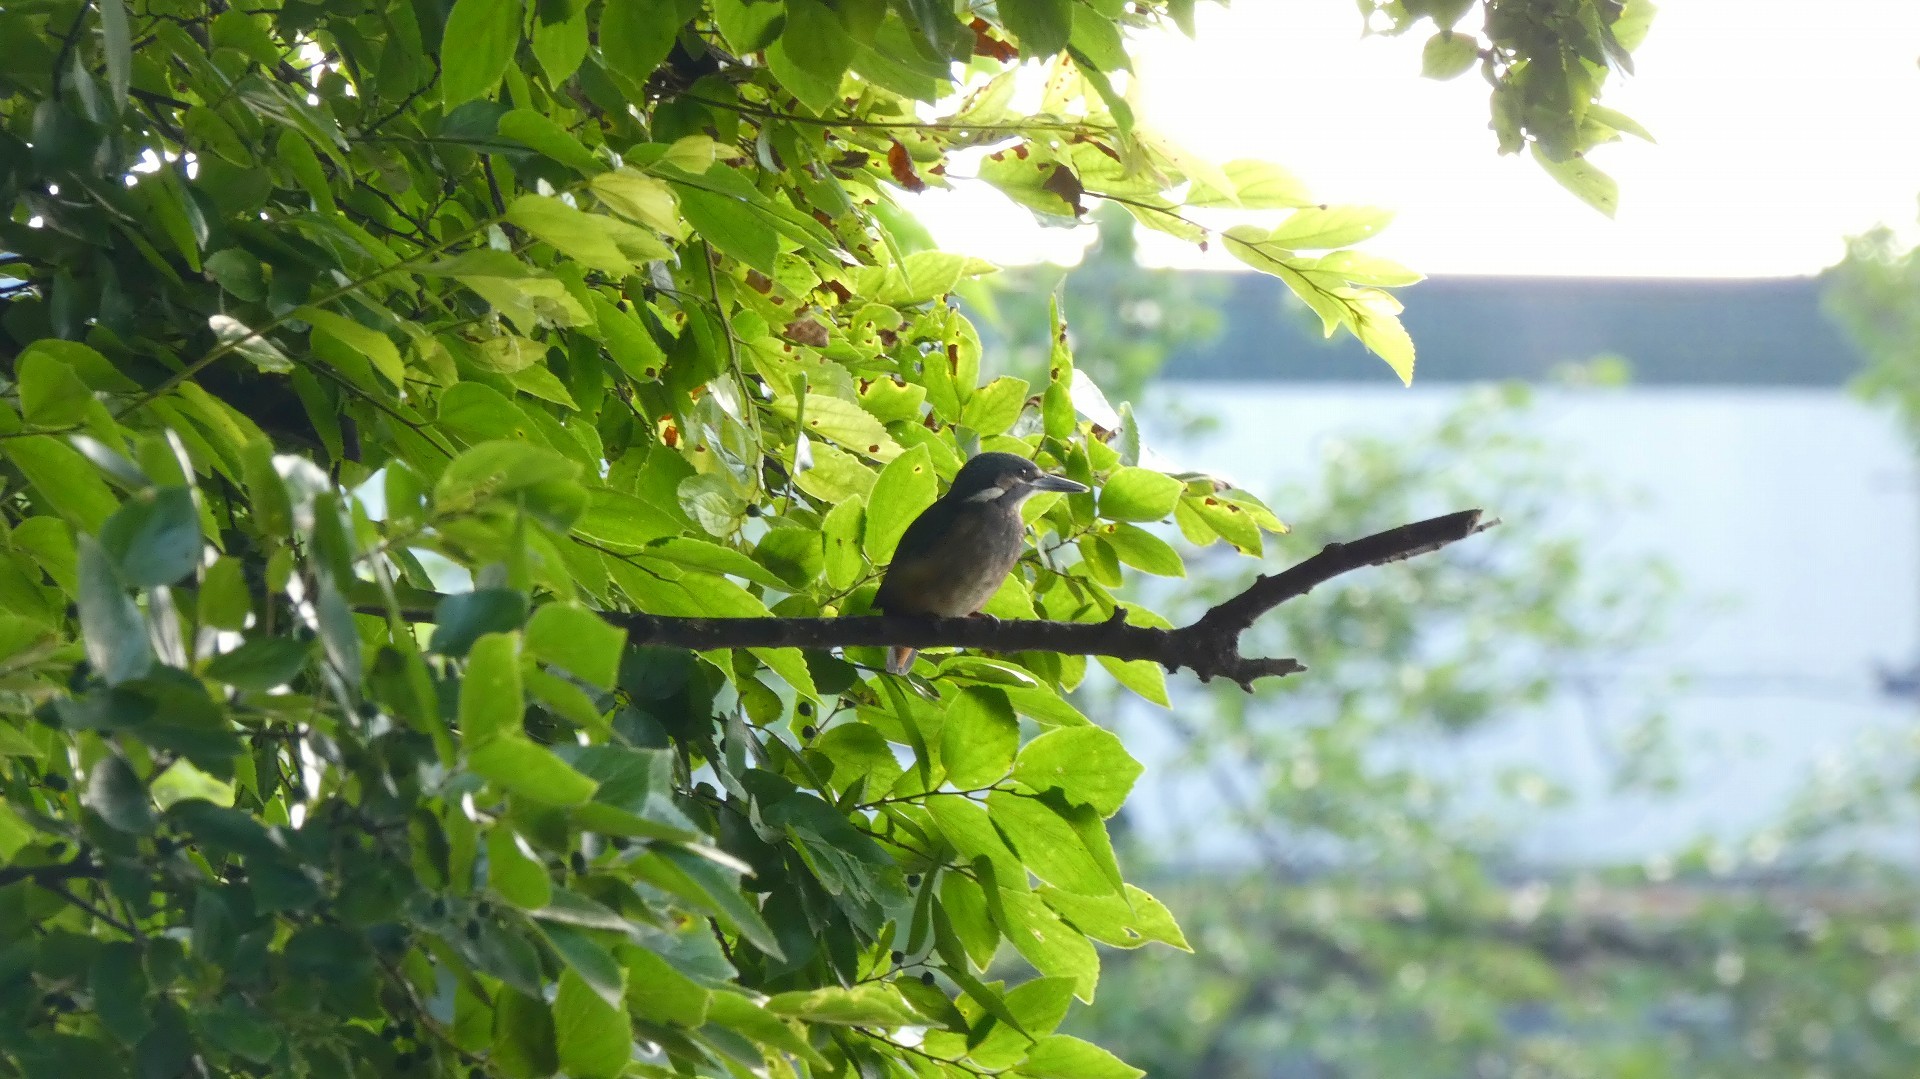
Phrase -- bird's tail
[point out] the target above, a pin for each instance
(899, 660)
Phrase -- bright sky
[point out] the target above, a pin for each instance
(1783, 126)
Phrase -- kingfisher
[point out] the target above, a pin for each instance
(953, 557)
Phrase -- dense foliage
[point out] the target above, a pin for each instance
(319, 310)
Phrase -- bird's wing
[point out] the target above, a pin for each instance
(915, 562)
(951, 560)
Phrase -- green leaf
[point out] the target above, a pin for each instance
(114, 792)
(51, 394)
(116, 40)
(578, 235)
(515, 871)
(250, 344)
(1138, 494)
(872, 1004)
(261, 664)
(1051, 844)
(1589, 184)
(730, 227)
(1376, 323)
(696, 879)
(534, 477)
(1051, 945)
(622, 520)
(1329, 226)
(700, 554)
(463, 617)
(969, 829)
(561, 45)
(1043, 26)
(336, 334)
(843, 422)
(577, 640)
(658, 991)
(978, 738)
(812, 54)
(63, 480)
(1062, 1056)
(491, 699)
(479, 43)
(225, 601)
(182, 781)
(1143, 550)
(519, 766)
(119, 986)
(748, 25)
(1364, 269)
(594, 1038)
(536, 131)
(636, 37)
(114, 631)
(905, 488)
(1232, 522)
(1127, 921)
(841, 530)
(1088, 765)
(995, 407)
(642, 199)
(154, 538)
(524, 1040)
(240, 1030)
(1448, 55)
(585, 956)
(736, 1012)
(1142, 676)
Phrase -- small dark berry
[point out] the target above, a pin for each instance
(805, 708)
(926, 978)
(473, 930)
(483, 908)
(578, 862)
(898, 957)
(808, 732)
(56, 782)
(913, 880)
(57, 849)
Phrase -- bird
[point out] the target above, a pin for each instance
(954, 556)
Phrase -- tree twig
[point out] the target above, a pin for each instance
(48, 875)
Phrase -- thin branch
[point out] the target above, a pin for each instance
(1210, 647)
(67, 894)
(47, 875)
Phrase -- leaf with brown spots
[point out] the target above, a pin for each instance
(1065, 184)
(985, 44)
(805, 331)
(901, 164)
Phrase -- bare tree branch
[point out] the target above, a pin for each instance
(1210, 646)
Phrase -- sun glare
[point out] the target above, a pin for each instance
(1783, 127)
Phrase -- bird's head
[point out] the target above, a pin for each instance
(1005, 479)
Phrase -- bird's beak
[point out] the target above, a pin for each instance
(1058, 483)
